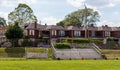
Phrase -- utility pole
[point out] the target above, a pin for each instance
(85, 21)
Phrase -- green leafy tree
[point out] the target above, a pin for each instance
(14, 33)
(2, 22)
(23, 14)
(80, 16)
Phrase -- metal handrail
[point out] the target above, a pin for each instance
(96, 48)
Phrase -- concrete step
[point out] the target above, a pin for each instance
(77, 54)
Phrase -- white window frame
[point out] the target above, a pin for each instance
(54, 32)
(93, 33)
(107, 33)
(61, 33)
(31, 32)
(77, 33)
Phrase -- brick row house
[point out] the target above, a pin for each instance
(53, 32)
(2, 36)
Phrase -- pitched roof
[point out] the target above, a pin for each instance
(30, 26)
(54, 27)
(44, 27)
(93, 28)
(73, 28)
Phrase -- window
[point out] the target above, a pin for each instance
(61, 33)
(77, 33)
(107, 33)
(93, 33)
(39, 34)
(31, 32)
(54, 32)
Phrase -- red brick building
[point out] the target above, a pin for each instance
(51, 32)
(2, 36)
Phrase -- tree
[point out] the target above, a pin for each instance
(78, 17)
(14, 33)
(23, 14)
(2, 22)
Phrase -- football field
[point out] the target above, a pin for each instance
(60, 65)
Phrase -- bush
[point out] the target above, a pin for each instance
(81, 41)
(81, 47)
(62, 46)
(96, 41)
(73, 40)
(110, 39)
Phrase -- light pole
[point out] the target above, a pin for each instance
(85, 21)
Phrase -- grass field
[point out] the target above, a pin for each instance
(60, 65)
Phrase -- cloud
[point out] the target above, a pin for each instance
(11, 3)
(116, 13)
(76, 3)
(7, 3)
(95, 9)
(4, 15)
(109, 23)
(103, 3)
(28, 1)
(50, 20)
(94, 3)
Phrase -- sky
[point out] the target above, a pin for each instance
(52, 11)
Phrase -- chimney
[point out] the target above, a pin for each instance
(45, 24)
(106, 25)
(35, 24)
(92, 25)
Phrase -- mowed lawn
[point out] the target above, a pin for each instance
(60, 65)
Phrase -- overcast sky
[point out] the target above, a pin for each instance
(52, 11)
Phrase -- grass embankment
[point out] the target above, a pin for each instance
(111, 54)
(61, 65)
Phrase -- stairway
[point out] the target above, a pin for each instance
(86, 53)
(89, 54)
(77, 54)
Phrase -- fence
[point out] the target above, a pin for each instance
(22, 52)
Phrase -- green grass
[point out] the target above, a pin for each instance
(60, 65)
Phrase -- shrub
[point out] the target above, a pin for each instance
(81, 47)
(110, 39)
(62, 46)
(97, 41)
(81, 41)
(78, 40)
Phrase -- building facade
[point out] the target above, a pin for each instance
(2, 34)
(51, 32)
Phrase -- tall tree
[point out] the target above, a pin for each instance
(14, 33)
(23, 14)
(78, 17)
(2, 22)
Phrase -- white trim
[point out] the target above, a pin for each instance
(77, 33)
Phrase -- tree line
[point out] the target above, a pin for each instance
(24, 15)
